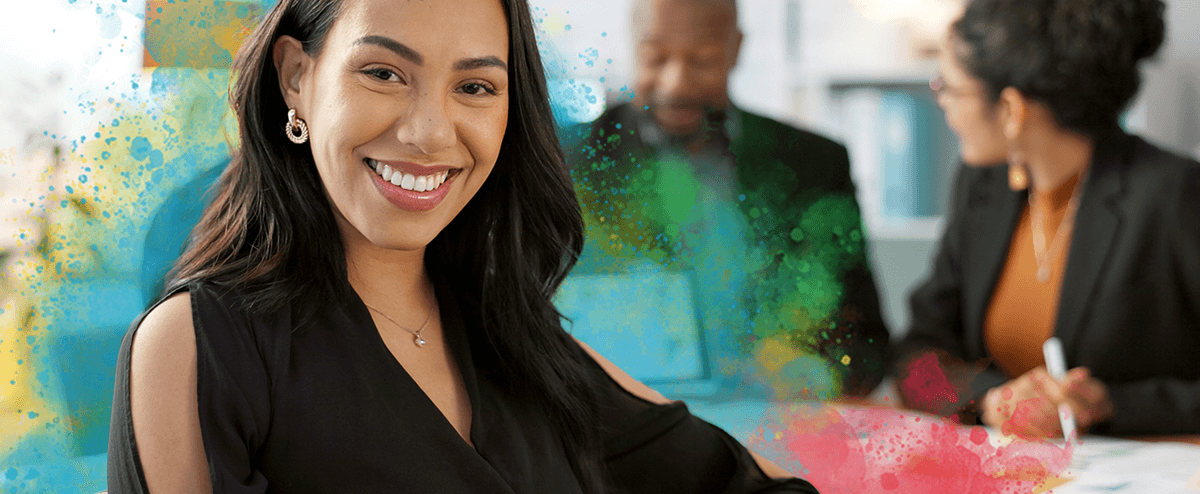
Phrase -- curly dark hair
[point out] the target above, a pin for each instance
(1079, 57)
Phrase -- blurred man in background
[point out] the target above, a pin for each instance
(762, 216)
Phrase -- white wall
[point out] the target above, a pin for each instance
(1167, 111)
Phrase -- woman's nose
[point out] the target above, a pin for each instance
(428, 124)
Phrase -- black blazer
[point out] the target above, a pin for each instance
(1129, 309)
(783, 175)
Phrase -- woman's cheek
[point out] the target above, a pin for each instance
(487, 135)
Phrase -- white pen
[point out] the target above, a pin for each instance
(1056, 364)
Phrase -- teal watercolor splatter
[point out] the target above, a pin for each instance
(127, 194)
(104, 246)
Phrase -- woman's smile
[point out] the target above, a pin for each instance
(410, 186)
(398, 90)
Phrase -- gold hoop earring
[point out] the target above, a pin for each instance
(293, 124)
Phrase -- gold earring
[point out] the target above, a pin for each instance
(1018, 173)
(293, 124)
(1018, 178)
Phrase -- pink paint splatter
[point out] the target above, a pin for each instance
(927, 385)
(1029, 419)
(855, 450)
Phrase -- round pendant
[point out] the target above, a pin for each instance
(1043, 274)
(418, 340)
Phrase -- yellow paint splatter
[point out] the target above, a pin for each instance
(773, 354)
(554, 24)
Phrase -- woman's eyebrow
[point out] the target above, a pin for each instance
(405, 52)
(479, 63)
(412, 56)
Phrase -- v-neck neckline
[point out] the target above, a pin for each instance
(454, 333)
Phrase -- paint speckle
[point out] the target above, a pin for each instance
(928, 385)
(854, 450)
(82, 258)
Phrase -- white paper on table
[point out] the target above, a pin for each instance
(1109, 465)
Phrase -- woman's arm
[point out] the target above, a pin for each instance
(933, 369)
(644, 392)
(163, 403)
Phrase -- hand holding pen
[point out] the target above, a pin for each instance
(1056, 364)
(1028, 406)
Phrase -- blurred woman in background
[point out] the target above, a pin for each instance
(1063, 225)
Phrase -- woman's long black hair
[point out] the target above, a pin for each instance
(271, 231)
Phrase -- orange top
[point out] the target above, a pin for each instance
(1023, 310)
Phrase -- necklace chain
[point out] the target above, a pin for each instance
(417, 338)
(1037, 223)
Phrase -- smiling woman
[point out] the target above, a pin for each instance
(366, 304)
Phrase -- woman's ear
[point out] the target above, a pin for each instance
(292, 64)
(1014, 110)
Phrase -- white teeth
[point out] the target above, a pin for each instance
(407, 181)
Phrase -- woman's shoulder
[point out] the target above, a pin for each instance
(1154, 181)
(181, 300)
(1149, 161)
(165, 334)
(220, 313)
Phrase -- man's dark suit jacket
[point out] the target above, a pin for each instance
(795, 192)
(1129, 308)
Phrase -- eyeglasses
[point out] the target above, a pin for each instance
(939, 87)
(937, 84)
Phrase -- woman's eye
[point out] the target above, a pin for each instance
(475, 88)
(382, 74)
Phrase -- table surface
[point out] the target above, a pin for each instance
(872, 446)
(1190, 439)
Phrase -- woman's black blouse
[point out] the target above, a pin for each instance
(327, 408)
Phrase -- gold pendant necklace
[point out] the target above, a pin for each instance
(1041, 254)
(417, 339)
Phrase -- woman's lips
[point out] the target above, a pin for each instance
(409, 186)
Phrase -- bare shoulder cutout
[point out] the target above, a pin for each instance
(162, 400)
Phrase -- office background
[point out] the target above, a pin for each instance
(101, 159)
(858, 71)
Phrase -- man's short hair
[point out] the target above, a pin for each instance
(638, 14)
